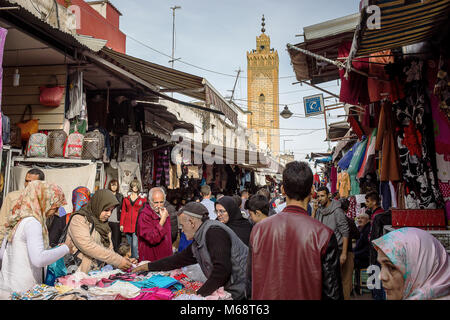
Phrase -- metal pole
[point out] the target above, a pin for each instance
(173, 32)
(325, 117)
(318, 88)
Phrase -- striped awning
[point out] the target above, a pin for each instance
(403, 22)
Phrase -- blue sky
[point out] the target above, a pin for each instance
(216, 35)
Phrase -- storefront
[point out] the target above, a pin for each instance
(397, 91)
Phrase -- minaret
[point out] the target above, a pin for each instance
(262, 93)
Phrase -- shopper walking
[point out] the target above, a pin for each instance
(114, 220)
(153, 228)
(229, 213)
(294, 257)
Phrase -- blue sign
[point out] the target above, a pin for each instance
(313, 105)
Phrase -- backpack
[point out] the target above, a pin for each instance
(6, 129)
(93, 145)
(55, 143)
(74, 146)
(37, 145)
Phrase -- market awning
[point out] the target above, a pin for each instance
(323, 39)
(171, 80)
(338, 130)
(402, 23)
(211, 153)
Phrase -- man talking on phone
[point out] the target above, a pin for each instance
(153, 228)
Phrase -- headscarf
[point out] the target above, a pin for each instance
(100, 201)
(37, 198)
(80, 198)
(236, 221)
(421, 258)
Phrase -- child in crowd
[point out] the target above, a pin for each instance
(125, 250)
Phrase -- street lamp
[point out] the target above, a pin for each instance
(286, 113)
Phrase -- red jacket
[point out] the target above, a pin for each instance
(130, 213)
(154, 240)
(294, 257)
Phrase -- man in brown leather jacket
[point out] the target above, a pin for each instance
(295, 257)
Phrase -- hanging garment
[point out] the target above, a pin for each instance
(163, 167)
(418, 172)
(344, 163)
(75, 95)
(382, 82)
(130, 148)
(128, 171)
(343, 184)
(354, 89)
(390, 168)
(355, 164)
(351, 212)
(147, 170)
(369, 164)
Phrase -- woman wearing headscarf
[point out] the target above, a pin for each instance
(90, 233)
(414, 265)
(230, 214)
(80, 198)
(25, 241)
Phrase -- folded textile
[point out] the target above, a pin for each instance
(159, 282)
(189, 297)
(125, 289)
(38, 292)
(219, 294)
(154, 294)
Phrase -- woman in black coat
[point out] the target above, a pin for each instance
(229, 213)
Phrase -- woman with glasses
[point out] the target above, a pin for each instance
(229, 213)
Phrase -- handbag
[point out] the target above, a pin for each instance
(28, 127)
(51, 96)
(15, 137)
(55, 143)
(71, 261)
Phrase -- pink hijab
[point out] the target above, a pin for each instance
(422, 259)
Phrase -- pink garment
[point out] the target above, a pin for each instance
(154, 294)
(219, 294)
(422, 259)
(154, 240)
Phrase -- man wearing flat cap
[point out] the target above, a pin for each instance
(220, 253)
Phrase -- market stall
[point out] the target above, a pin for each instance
(113, 284)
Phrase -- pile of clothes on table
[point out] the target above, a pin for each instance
(114, 284)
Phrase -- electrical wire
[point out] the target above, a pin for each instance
(168, 56)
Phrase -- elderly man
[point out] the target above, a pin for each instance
(216, 248)
(12, 197)
(153, 228)
(362, 248)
